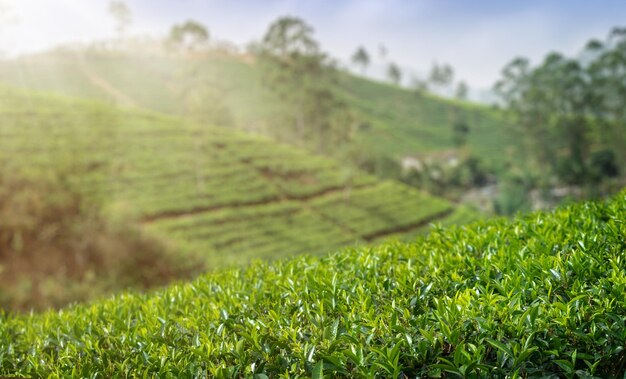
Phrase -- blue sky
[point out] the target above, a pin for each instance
(477, 37)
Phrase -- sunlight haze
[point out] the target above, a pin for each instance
(416, 33)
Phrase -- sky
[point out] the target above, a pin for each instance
(476, 37)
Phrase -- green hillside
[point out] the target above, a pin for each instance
(224, 195)
(398, 121)
(542, 296)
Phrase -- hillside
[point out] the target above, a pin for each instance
(210, 191)
(541, 296)
(398, 122)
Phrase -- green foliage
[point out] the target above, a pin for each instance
(58, 247)
(361, 58)
(566, 108)
(603, 164)
(541, 296)
(190, 35)
(394, 74)
(399, 123)
(449, 177)
(460, 130)
(207, 191)
(461, 91)
(441, 76)
(300, 74)
(513, 196)
(202, 99)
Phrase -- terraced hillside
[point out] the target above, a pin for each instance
(225, 195)
(542, 296)
(398, 122)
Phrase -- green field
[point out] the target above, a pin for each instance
(224, 195)
(541, 296)
(400, 122)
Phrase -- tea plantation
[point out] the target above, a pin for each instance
(210, 191)
(398, 121)
(542, 296)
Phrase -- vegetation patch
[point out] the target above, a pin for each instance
(541, 296)
(208, 191)
(56, 247)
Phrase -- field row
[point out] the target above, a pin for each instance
(210, 191)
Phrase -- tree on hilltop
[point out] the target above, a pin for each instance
(122, 15)
(302, 76)
(462, 91)
(361, 58)
(394, 73)
(441, 76)
(290, 37)
(190, 35)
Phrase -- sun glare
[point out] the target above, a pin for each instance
(33, 25)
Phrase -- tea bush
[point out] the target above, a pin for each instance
(541, 296)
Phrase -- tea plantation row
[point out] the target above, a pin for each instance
(210, 191)
(542, 296)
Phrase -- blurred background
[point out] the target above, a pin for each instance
(144, 142)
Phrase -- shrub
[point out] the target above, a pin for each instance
(542, 296)
(56, 247)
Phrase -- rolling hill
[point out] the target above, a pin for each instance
(541, 296)
(399, 123)
(224, 195)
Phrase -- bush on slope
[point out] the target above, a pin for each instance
(58, 247)
(540, 296)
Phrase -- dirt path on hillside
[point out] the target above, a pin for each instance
(119, 96)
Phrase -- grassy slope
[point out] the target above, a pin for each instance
(223, 194)
(538, 296)
(401, 122)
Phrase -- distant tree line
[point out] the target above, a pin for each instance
(572, 111)
(440, 77)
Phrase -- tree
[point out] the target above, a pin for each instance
(555, 126)
(460, 131)
(361, 58)
(607, 74)
(419, 86)
(441, 76)
(122, 15)
(570, 109)
(461, 91)
(190, 35)
(394, 74)
(290, 37)
(202, 98)
(302, 76)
